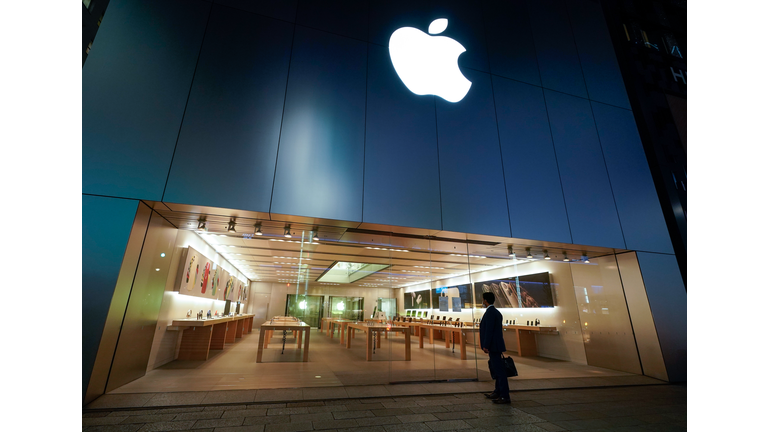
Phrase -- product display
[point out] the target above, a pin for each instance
(525, 291)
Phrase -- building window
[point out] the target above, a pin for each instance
(88, 48)
(670, 43)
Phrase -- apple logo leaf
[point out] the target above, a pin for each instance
(438, 26)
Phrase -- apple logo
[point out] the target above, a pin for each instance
(429, 65)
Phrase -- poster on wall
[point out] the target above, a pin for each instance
(229, 288)
(456, 304)
(222, 279)
(214, 282)
(526, 291)
(189, 269)
(206, 277)
(443, 304)
(417, 300)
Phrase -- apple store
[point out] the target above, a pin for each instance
(296, 194)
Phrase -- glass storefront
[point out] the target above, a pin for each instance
(382, 307)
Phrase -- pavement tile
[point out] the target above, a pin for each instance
(556, 416)
(236, 421)
(387, 412)
(340, 415)
(367, 392)
(251, 428)
(327, 408)
(99, 414)
(454, 415)
(414, 418)
(167, 426)
(224, 408)
(364, 407)
(409, 427)
(278, 395)
(305, 404)
(522, 428)
(623, 421)
(369, 400)
(251, 412)
(152, 418)
(301, 418)
(427, 409)
(179, 410)
(363, 429)
(123, 413)
(283, 411)
(334, 424)
(583, 424)
(324, 393)
(673, 427)
(549, 427)
(202, 415)
(399, 404)
(267, 420)
(434, 402)
(267, 405)
(100, 421)
(289, 427)
(378, 421)
(113, 428)
(342, 402)
(447, 425)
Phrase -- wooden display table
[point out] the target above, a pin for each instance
(378, 329)
(267, 329)
(526, 338)
(200, 336)
(325, 323)
(414, 326)
(450, 330)
(336, 322)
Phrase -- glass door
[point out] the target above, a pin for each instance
(308, 308)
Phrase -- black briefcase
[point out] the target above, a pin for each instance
(509, 365)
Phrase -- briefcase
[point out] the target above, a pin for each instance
(509, 365)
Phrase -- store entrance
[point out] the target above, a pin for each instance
(332, 305)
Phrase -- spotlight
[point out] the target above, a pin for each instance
(565, 256)
(201, 225)
(528, 250)
(511, 252)
(231, 226)
(314, 234)
(287, 232)
(258, 229)
(585, 258)
(546, 255)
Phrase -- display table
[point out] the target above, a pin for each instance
(526, 338)
(337, 322)
(325, 323)
(267, 329)
(450, 330)
(414, 326)
(378, 329)
(198, 337)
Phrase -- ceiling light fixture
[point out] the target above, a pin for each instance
(201, 225)
(287, 231)
(231, 226)
(528, 251)
(314, 234)
(511, 252)
(565, 256)
(585, 257)
(258, 229)
(546, 255)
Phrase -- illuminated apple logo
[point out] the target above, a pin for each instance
(429, 65)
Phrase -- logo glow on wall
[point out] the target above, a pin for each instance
(429, 65)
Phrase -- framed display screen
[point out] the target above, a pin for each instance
(417, 300)
(526, 291)
(461, 292)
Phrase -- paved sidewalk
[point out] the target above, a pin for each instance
(635, 408)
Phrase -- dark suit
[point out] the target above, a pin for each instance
(492, 339)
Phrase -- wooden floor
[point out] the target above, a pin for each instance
(331, 364)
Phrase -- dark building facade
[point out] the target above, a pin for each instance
(291, 112)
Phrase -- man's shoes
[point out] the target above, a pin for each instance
(492, 396)
(501, 401)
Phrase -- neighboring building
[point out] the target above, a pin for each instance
(651, 47)
(93, 14)
(287, 118)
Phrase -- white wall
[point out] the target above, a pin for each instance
(176, 305)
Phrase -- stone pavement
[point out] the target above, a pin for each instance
(632, 408)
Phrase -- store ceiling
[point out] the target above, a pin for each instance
(410, 258)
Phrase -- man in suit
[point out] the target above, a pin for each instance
(492, 343)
